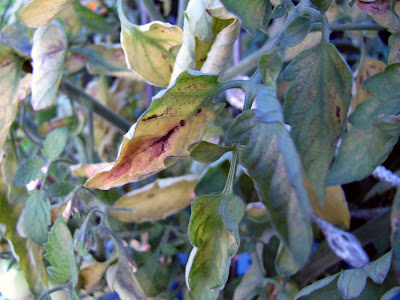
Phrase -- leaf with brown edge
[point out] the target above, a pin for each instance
(157, 200)
(40, 12)
(88, 170)
(150, 49)
(177, 118)
(10, 70)
(381, 12)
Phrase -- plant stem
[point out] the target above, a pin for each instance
(347, 27)
(85, 100)
(154, 14)
(228, 190)
(181, 8)
(325, 29)
(5, 12)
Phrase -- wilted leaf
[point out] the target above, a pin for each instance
(394, 45)
(214, 233)
(40, 12)
(54, 143)
(10, 69)
(177, 118)
(269, 157)
(48, 54)
(106, 61)
(37, 217)
(209, 33)
(157, 200)
(316, 105)
(395, 233)
(368, 68)
(28, 171)
(255, 15)
(206, 152)
(366, 146)
(91, 275)
(92, 20)
(60, 253)
(121, 279)
(150, 49)
(381, 12)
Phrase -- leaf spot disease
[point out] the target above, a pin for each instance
(182, 122)
(198, 112)
(152, 117)
(338, 113)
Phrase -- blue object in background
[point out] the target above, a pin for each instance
(243, 264)
(113, 296)
(183, 258)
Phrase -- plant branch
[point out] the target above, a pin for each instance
(86, 100)
(347, 27)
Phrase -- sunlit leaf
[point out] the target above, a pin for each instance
(70, 20)
(37, 217)
(92, 20)
(121, 279)
(395, 233)
(209, 33)
(60, 253)
(366, 146)
(40, 12)
(177, 118)
(88, 170)
(214, 233)
(157, 200)
(255, 15)
(394, 44)
(10, 68)
(269, 157)
(48, 54)
(368, 68)
(150, 49)
(381, 12)
(316, 105)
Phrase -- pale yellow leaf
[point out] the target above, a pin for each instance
(91, 275)
(88, 170)
(157, 200)
(40, 12)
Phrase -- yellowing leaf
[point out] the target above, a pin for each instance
(368, 68)
(10, 68)
(157, 200)
(177, 118)
(91, 275)
(71, 22)
(40, 12)
(150, 49)
(381, 12)
(209, 33)
(88, 170)
(48, 55)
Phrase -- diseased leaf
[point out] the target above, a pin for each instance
(28, 171)
(48, 54)
(366, 146)
(121, 279)
(255, 15)
(157, 200)
(91, 275)
(269, 157)
(209, 33)
(10, 70)
(88, 170)
(40, 12)
(214, 233)
(150, 49)
(92, 20)
(394, 45)
(296, 31)
(37, 217)
(395, 233)
(54, 143)
(177, 118)
(60, 253)
(368, 68)
(381, 12)
(316, 105)
(206, 152)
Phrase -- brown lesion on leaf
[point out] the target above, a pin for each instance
(152, 117)
(198, 112)
(164, 56)
(338, 113)
(151, 195)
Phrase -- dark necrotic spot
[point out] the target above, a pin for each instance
(182, 122)
(198, 111)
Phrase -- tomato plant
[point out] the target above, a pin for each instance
(149, 147)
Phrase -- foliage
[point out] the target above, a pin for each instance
(138, 158)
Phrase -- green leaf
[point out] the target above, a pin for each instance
(214, 233)
(389, 124)
(313, 289)
(270, 66)
(121, 279)
(322, 5)
(55, 143)
(296, 31)
(28, 171)
(213, 178)
(177, 118)
(255, 14)
(394, 45)
(92, 20)
(284, 264)
(48, 54)
(316, 106)
(157, 200)
(40, 12)
(395, 233)
(206, 152)
(10, 68)
(37, 218)
(150, 49)
(269, 157)
(60, 253)
(391, 294)
(366, 146)
(59, 189)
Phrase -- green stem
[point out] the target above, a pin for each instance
(348, 27)
(232, 171)
(66, 287)
(90, 141)
(85, 101)
(325, 29)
